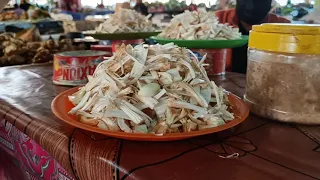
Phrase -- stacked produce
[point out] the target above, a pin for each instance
(14, 51)
(31, 14)
(199, 25)
(12, 16)
(160, 89)
(171, 5)
(69, 26)
(125, 20)
(38, 14)
(61, 17)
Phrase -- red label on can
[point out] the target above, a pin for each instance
(74, 70)
(77, 73)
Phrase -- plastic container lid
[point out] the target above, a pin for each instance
(286, 38)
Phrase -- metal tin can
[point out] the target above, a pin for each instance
(71, 68)
(217, 59)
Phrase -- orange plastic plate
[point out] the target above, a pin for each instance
(61, 106)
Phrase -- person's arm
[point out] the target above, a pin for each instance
(227, 17)
(3, 4)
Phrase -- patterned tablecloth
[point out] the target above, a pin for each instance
(36, 145)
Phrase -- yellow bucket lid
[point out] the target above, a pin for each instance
(286, 38)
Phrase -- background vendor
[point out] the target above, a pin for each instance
(18, 10)
(141, 8)
(25, 5)
(246, 14)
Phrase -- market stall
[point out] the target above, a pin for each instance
(46, 147)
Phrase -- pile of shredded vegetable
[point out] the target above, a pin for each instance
(199, 25)
(160, 89)
(125, 20)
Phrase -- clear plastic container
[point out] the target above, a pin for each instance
(284, 87)
(283, 82)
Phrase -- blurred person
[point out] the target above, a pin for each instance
(74, 7)
(246, 14)
(18, 10)
(25, 5)
(100, 6)
(141, 8)
(193, 7)
(68, 6)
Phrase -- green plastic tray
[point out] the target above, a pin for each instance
(204, 44)
(122, 36)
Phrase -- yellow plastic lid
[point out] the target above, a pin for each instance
(286, 38)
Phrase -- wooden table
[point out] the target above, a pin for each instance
(268, 149)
